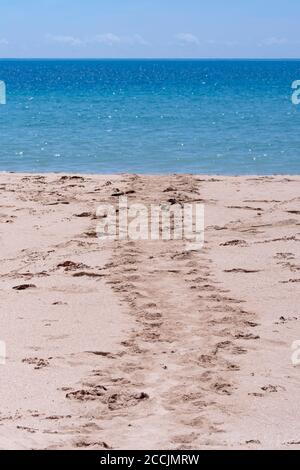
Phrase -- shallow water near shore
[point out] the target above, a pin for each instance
(150, 116)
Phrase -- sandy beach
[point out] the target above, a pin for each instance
(144, 345)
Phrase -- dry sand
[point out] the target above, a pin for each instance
(143, 345)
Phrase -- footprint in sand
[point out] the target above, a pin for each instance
(272, 388)
(283, 320)
(37, 362)
(88, 274)
(222, 388)
(242, 271)
(71, 265)
(114, 401)
(25, 428)
(24, 287)
(104, 354)
(84, 214)
(246, 336)
(88, 394)
(267, 389)
(253, 442)
(121, 400)
(83, 444)
(234, 243)
(284, 256)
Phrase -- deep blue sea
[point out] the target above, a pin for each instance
(150, 116)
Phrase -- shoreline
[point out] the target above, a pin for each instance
(150, 175)
(143, 345)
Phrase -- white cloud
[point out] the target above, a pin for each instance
(111, 39)
(187, 39)
(107, 39)
(67, 40)
(138, 39)
(4, 42)
(274, 41)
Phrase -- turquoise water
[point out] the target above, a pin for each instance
(150, 116)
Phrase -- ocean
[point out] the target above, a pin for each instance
(150, 116)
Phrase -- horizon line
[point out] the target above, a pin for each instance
(154, 58)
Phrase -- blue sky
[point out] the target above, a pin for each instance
(150, 28)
